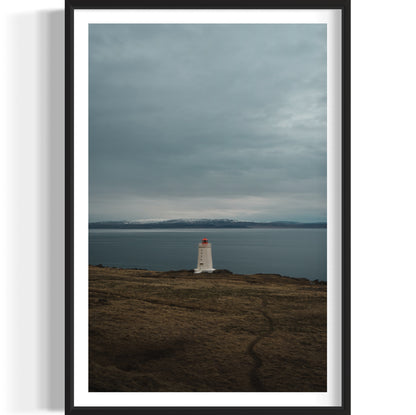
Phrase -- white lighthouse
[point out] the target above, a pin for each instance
(204, 257)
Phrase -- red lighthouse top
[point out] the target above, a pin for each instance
(205, 241)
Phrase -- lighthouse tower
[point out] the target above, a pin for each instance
(204, 257)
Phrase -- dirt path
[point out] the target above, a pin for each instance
(255, 381)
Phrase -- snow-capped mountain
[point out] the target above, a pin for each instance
(200, 223)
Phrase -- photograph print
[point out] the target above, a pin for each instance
(207, 207)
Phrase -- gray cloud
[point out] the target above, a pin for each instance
(207, 121)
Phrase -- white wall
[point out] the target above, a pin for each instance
(32, 212)
(383, 208)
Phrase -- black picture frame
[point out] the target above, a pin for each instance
(70, 7)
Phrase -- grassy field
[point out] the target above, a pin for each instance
(181, 332)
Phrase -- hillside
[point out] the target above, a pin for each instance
(177, 331)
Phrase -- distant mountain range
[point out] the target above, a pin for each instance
(202, 223)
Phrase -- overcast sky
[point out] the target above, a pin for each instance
(207, 121)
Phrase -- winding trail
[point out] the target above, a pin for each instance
(255, 381)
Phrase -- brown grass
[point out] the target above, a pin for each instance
(181, 332)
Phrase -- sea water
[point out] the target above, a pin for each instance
(297, 253)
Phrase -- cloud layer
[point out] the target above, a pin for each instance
(207, 121)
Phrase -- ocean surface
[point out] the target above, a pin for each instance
(293, 252)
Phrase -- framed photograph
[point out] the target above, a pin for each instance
(208, 207)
